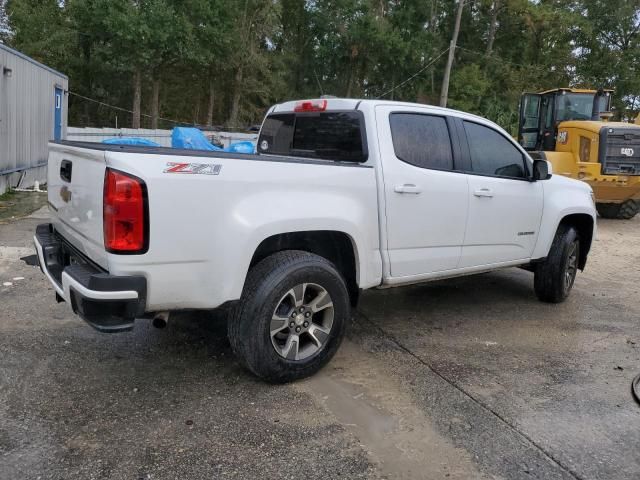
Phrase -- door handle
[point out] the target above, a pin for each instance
(483, 192)
(65, 170)
(407, 188)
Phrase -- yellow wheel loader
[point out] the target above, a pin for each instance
(570, 128)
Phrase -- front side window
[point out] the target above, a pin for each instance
(326, 135)
(421, 140)
(492, 154)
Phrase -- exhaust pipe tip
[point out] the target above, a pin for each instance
(160, 320)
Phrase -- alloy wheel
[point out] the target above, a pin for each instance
(302, 321)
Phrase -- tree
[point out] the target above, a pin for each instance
(493, 25)
(40, 30)
(226, 61)
(5, 30)
(609, 54)
(250, 59)
(209, 44)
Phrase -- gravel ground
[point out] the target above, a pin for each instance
(466, 378)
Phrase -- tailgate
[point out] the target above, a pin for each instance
(75, 184)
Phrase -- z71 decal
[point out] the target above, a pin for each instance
(193, 168)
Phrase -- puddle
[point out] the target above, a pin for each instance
(394, 432)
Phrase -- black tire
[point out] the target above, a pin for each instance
(622, 211)
(266, 285)
(550, 278)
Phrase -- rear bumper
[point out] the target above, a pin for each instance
(109, 303)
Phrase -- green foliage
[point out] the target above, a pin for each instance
(5, 31)
(236, 57)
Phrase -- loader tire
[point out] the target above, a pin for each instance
(622, 211)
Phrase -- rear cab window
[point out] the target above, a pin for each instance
(330, 135)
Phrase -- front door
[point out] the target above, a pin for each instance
(529, 126)
(426, 201)
(547, 138)
(57, 117)
(505, 207)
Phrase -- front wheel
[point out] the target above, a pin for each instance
(554, 277)
(291, 317)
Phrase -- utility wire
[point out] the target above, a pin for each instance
(403, 83)
(502, 60)
(499, 59)
(176, 122)
(113, 107)
(415, 74)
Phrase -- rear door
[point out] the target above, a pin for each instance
(75, 185)
(505, 207)
(426, 201)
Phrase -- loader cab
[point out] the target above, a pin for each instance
(541, 113)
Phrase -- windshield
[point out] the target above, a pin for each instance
(574, 106)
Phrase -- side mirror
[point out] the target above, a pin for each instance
(541, 170)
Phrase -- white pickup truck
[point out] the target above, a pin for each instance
(343, 195)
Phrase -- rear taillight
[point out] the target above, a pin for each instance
(125, 213)
(310, 106)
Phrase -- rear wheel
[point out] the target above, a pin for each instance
(291, 317)
(624, 211)
(554, 278)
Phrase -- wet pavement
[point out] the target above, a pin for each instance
(465, 378)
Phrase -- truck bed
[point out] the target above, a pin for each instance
(207, 213)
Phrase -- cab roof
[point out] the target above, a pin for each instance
(335, 103)
(574, 90)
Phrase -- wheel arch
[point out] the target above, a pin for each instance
(336, 246)
(584, 225)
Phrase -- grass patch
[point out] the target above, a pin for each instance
(6, 196)
(14, 205)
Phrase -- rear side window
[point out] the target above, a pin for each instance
(327, 135)
(492, 154)
(422, 140)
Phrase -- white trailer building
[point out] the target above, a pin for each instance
(33, 110)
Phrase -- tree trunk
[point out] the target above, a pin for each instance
(155, 103)
(235, 100)
(433, 84)
(196, 110)
(493, 25)
(444, 93)
(348, 89)
(211, 103)
(137, 97)
(352, 70)
(432, 16)
(432, 29)
(393, 86)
